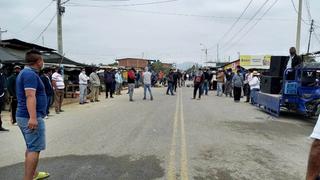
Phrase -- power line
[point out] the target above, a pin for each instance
(235, 23)
(245, 25)
(254, 25)
(183, 14)
(123, 5)
(35, 17)
(45, 29)
(295, 9)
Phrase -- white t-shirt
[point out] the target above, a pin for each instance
(316, 131)
(59, 80)
(83, 79)
(254, 83)
(290, 62)
(147, 78)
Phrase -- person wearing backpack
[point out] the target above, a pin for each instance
(131, 83)
(198, 81)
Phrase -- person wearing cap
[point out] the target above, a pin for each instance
(32, 103)
(220, 81)
(2, 90)
(58, 86)
(11, 86)
(83, 86)
(254, 86)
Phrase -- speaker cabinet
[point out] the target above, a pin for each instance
(270, 84)
(278, 65)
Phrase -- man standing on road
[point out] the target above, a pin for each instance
(95, 86)
(206, 82)
(198, 83)
(108, 80)
(313, 170)
(119, 82)
(131, 83)
(237, 84)
(58, 86)
(11, 85)
(32, 103)
(220, 81)
(83, 86)
(254, 86)
(2, 90)
(170, 79)
(48, 86)
(147, 84)
(228, 83)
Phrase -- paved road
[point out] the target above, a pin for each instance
(172, 137)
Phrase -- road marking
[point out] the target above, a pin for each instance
(172, 156)
(184, 158)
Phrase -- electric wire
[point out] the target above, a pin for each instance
(235, 22)
(253, 26)
(246, 25)
(123, 5)
(45, 29)
(35, 17)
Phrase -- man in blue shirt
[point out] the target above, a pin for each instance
(32, 103)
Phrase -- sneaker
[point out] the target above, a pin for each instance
(97, 100)
(144, 98)
(151, 98)
(46, 117)
(61, 110)
(3, 129)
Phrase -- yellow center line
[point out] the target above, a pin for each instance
(172, 156)
(184, 158)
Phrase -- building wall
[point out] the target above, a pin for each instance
(136, 63)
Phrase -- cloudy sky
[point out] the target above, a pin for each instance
(99, 31)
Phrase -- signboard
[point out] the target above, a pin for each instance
(256, 62)
(232, 65)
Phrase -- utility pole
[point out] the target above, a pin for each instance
(1, 32)
(217, 52)
(311, 30)
(60, 11)
(299, 27)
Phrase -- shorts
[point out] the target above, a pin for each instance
(35, 139)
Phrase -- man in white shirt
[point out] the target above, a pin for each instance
(83, 84)
(147, 83)
(58, 86)
(314, 156)
(254, 86)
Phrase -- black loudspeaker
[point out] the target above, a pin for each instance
(270, 84)
(278, 65)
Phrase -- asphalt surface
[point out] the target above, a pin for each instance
(172, 137)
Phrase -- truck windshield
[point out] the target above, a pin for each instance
(310, 78)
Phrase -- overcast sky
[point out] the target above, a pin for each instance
(99, 31)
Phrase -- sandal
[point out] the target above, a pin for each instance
(41, 175)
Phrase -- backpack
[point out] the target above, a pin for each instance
(198, 79)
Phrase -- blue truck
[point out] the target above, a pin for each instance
(300, 91)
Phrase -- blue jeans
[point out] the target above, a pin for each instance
(35, 139)
(147, 87)
(48, 103)
(219, 89)
(83, 93)
(170, 88)
(205, 87)
(253, 95)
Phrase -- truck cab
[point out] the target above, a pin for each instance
(301, 90)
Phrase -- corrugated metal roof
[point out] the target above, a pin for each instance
(7, 56)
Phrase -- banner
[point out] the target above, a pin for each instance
(256, 62)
